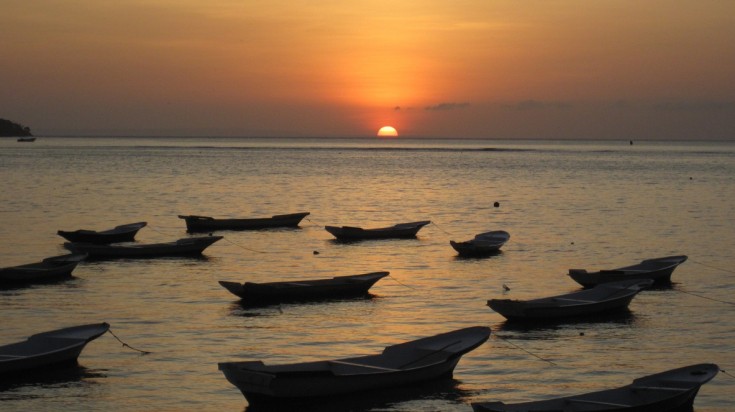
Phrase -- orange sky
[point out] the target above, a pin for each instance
(489, 69)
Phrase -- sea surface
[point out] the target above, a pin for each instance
(566, 204)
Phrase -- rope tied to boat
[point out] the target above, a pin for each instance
(438, 227)
(523, 349)
(125, 345)
(243, 247)
(726, 373)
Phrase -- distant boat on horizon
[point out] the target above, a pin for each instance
(26, 139)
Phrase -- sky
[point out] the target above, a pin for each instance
(500, 69)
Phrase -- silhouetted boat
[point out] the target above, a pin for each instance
(604, 298)
(401, 230)
(304, 290)
(406, 363)
(659, 270)
(670, 391)
(206, 223)
(483, 244)
(122, 233)
(181, 247)
(26, 139)
(49, 269)
(43, 350)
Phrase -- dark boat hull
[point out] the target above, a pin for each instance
(123, 233)
(48, 270)
(670, 391)
(48, 349)
(398, 365)
(182, 247)
(308, 290)
(659, 270)
(606, 298)
(400, 231)
(206, 223)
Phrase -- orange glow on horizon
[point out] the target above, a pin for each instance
(387, 131)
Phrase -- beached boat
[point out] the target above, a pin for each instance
(305, 290)
(604, 298)
(181, 247)
(403, 364)
(122, 233)
(659, 270)
(399, 231)
(47, 270)
(47, 349)
(670, 391)
(206, 223)
(484, 244)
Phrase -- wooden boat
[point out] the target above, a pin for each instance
(403, 364)
(670, 391)
(206, 223)
(399, 231)
(304, 290)
(43, 350)
(604, 298)
(181, 247)
(483, 244)
(122, 233)
(49, 269)
(659, 270)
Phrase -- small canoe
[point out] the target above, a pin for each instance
(604, 298)
(190, 246)
(670, 391)
(659, 270)
(403, 364)
(43, 350)
(205, 223)
(47, 270)
(399, 231)
(484, 244)
(122, 233)
(305, 290)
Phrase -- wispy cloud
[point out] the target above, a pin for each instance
(447, 106)
(537, 105)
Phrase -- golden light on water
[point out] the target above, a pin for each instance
(387, 131)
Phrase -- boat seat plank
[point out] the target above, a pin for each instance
(660, 388)
(361, 365)
(591, 402)
(576, 300)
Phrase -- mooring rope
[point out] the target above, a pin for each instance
(243, 247)
(524, 350)
(438, 227)
(401, 283)
(705, 297)
(712, 267)
(726, 373)
(144, 352)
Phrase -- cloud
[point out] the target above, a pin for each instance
(537, 105)
(695, 106)
(447, 106)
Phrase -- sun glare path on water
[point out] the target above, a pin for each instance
(387, 131)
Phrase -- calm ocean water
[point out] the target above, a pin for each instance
(566, 205)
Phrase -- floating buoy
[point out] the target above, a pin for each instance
(505, 287)
(316, 252)
(496, 204)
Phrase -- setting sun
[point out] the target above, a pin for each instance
(387, 131)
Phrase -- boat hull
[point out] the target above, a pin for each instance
(603, 299)
(48, 270)
(122, 233)
(182, 247)
(398, 365)
(671, 391)
(206, 223)
(659, 270)
(400, 231)
(48, 349)
(485, 244)
(308, 290)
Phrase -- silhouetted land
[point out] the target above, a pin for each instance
(8, 128)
